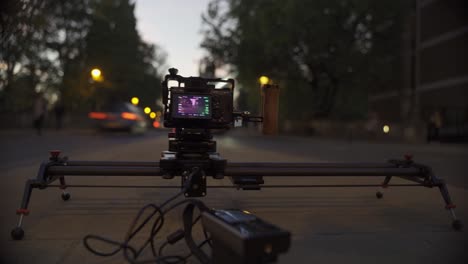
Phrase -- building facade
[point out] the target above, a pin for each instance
(434, 69)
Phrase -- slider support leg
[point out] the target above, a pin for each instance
(18, 233)
(456, 223)
(379, 193)
(65, 195)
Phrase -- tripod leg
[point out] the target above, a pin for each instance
(65, 195)
(379, 193)
(456, 223)
(17, 233)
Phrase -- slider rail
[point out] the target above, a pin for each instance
(51, 171)
(235, 171)
(57, 168)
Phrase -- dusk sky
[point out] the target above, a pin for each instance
(175, 26)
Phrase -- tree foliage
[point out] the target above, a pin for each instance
(21, 30)
(324, 54)
(113, 45)
(52, 45)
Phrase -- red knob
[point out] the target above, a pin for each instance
(22, 211)
(408, 157)
(54, 153)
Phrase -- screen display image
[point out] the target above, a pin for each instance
(193, 106)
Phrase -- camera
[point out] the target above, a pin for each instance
(196, 103)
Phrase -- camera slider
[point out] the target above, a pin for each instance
(418, 175)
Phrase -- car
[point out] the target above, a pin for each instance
(120, 117)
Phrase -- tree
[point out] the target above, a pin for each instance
(324, 54)
(21, 31)
(42, 41)
(51, 45)
(69, 23)
(129, 65)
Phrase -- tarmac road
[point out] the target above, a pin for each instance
(409, 225)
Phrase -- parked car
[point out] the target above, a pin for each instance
(120, 117)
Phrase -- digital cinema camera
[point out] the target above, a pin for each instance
(196, 103)
(192, 108)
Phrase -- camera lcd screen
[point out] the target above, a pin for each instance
(192, 106)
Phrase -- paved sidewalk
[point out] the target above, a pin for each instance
(329, 225)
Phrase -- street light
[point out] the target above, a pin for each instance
(264, 80)
(147, 110)
(386, 129)
(96, 74)
(135, 100)
(152, 115)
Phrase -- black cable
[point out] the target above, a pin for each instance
(187, 216)
(204, 242)
(159, 221)
(200, 205)
(130, 234)
(194, 202)
(159, 213)
(207, 239)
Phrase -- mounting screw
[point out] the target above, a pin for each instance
(17, 233)
(54, 154)
(379, 195)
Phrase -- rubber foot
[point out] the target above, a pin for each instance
(457, 225)
(17, 233)
(379, 195)
(66, 196)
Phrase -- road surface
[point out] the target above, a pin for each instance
(409, 225)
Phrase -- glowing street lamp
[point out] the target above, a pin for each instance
(264, 80)
(386, 129)
(152, 115)
(147, 110)
(96, 74)
(135, 100)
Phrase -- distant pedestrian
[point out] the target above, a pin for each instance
(434, 125)
(39, 114)
(59, 110)
(372, 124)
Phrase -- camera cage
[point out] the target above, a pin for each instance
(193, 147)
(220, 106)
